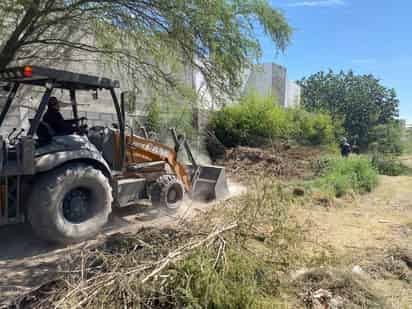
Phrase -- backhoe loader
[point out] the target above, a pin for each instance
(66, 185)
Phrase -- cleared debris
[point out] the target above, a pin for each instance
(281, 161)
(392, 263)
(322, 288)
(118, 269)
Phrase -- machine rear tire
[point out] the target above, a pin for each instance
(69, 204)
(167, 193)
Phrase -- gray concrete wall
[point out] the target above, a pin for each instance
(293, 94)
(260, 80)
(279, 82)
(270, 79)
(267, 79)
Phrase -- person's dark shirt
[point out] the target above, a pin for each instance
(345, 149)
(56, 121)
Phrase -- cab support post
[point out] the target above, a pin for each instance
(10, 99)
(40, 111)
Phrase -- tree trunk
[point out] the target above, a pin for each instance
(7, 54)
(14, 43)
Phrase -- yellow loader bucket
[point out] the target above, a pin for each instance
(209, 183)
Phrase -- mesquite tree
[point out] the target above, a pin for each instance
(216, 37)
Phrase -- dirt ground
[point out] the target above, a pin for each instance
(364, 233)
(27, 262)
(369, 233)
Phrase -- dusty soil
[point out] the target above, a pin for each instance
(369, 232)
(27, 262)
(280, 161)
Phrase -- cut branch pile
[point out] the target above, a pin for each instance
(281, 160)
(121, 268)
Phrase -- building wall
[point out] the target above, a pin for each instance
(260, 80)
(271, 79)
(279, 83)
(293, 94)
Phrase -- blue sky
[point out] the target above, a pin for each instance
(368, 36)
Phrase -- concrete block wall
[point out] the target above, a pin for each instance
(12, 121)
(94, 118)
(293, 94)
(279, 81)
(271, 79)
(267, 79)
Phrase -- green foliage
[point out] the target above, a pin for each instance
(407, 140)
(217, 37)
(203, 285)
(359, 101)
(389, 165)
(256, 119)
(313, 128)
(340, 176)
(242, 272)
(387, 139)
(171, 112)
(153, 123)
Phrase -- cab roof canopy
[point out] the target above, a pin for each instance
(40, 76)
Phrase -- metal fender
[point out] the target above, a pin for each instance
(50, 161)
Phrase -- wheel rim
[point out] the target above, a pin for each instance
(174, 196)
(171, 196)
(76, 205)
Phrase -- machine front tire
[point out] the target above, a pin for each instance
(167, 193)
(69, 204)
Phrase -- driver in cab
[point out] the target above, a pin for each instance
(55, 120)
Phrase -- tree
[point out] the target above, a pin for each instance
(216, 37)
(360, 102)
(153, 122)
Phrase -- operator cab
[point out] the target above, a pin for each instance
(41, 136)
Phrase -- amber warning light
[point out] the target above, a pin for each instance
(28, 71)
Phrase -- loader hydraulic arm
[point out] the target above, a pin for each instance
(140, 150)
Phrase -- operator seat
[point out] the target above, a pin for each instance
(45, 133)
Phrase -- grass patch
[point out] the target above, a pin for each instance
(247, 268)
(389, 165)
(339, 176)
(205, 281)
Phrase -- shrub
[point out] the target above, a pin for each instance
(388, 165)
(153, 117)
(312, 128)
(387, 139)
(344, 175)
(244, 270)
(407, 140)
(202, 284)
(256, 119)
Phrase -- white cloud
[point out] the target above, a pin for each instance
(319, 3)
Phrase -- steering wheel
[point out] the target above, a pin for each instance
(82, 125)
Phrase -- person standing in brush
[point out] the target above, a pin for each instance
(344, 147)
